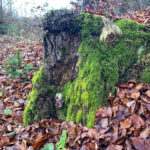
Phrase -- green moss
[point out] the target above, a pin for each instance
(79, 116)
(40, 103)
(37, 77)
(102, 66)
(145, 76)
(126, 25)
(84, 93)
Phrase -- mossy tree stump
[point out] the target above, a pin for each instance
(84, 68)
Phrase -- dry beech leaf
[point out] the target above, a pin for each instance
(126, 101)
(104, 112)
(129, 104)
(133, 107)
(145, 133)
(137, 121)
(24, 145)
(39, 142)
(123, 85)
(115, 132)
(102, 136)
(135, 95)
(139, 87)
(121, 94)
(89, 146)
(95, 133)
(141, 110)
(72, 133)
(130, 130)
(138, 143)
(125, 124)
(145, 99)
(28, 128)
(4, 140)
(133, 81)
(147, 93)
(147, 106)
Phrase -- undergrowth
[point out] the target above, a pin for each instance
(15, 68)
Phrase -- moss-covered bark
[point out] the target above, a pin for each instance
(40, 103)
(101, 66)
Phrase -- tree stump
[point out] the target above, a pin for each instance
(81, 67)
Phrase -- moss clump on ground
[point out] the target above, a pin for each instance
(40, 103)
(102, 66)
(145, 76)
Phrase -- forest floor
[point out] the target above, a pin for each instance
(13, 99)
(14, 92)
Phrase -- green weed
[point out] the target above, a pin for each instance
(14, 67)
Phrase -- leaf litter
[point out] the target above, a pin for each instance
(140, 16)
(124, 124)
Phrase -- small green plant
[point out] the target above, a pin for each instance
(49, 146)
(1, 93)
(11, 135)
(62, 142)
(7, 112)
(14, 67)
(12, 29)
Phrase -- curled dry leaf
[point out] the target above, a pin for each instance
(137, 121)
(125, 124)
(39, 142)
(123, 85)
(130, 130)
